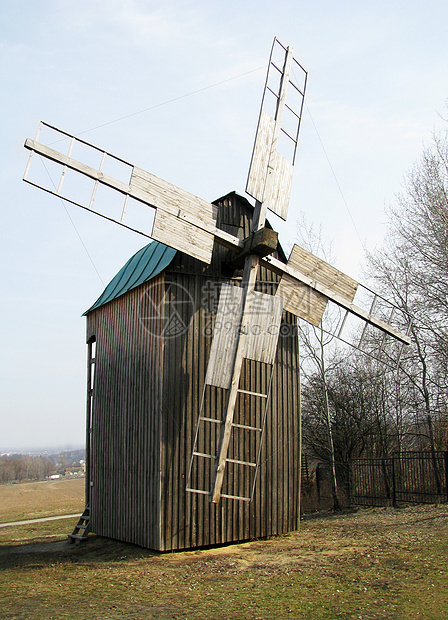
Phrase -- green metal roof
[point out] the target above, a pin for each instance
(145, 265)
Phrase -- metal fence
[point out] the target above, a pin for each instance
(406, 477)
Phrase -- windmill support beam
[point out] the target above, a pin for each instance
(251, 265)
(266, 173)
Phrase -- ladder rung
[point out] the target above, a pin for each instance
(243, 499)
(206, 456)
(241, 462)
(197, 491)
(253, 393)
(211, 420)
(248, 428)
(83, 525)
(76, 537)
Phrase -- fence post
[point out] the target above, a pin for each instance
(386, 478)
(349, 486)
(446, 474)
(394, 485)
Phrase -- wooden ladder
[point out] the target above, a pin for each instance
(82, 526)
(204, 453)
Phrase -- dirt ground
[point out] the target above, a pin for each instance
(375, 564)
(32, 500)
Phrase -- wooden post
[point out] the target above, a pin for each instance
(446, 474)
(90, 363)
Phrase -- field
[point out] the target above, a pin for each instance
(32, 500)
(371, 564)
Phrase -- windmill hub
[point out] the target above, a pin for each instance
(261, 243)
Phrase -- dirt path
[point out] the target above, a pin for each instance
(42, 520)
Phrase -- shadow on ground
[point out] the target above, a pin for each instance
(95, 550)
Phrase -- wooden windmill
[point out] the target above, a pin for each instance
(247, 321)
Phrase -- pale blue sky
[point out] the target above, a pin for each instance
(377, 87)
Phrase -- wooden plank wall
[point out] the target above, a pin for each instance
(125, 438)
(189, 519)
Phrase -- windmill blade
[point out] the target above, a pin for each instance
(309, 283)
(305, 301)
(182, 221)
(274, 154)
(261, 332)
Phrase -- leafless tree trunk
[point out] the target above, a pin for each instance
(412, 268)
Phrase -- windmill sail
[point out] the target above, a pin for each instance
(182, 221)
(260, 338)
(271, 170)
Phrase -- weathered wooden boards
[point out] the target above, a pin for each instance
(270, 174)
(126, 421)
(304, 301)
(146, 399)
(182, 221)
(261, 333)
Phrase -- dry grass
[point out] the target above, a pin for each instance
(376, 564)
(32, 500)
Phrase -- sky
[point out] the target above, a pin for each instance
(175, 88)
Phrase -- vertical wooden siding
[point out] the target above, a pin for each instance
(125, 441)
(189, 519)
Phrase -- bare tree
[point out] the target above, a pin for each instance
(412, 268)
(313, 342)
(314, 345)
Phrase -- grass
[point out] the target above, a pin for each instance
(368, 565)
(32, 500)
